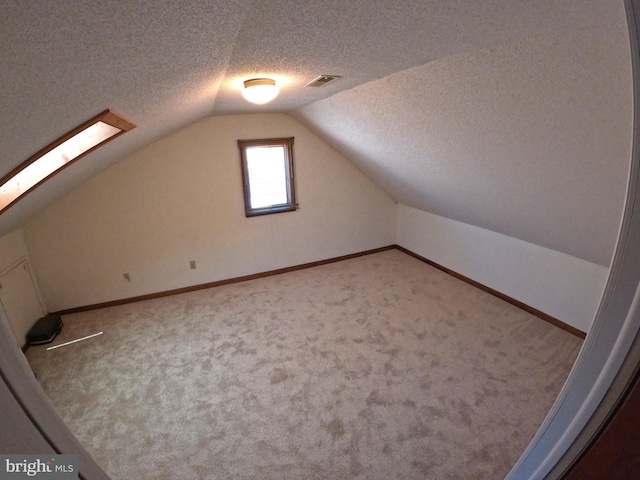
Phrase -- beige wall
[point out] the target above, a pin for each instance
(12, 249)
(565, 287)
(181, 199)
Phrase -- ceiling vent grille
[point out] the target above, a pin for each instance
(322, 80)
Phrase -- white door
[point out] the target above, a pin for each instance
(20, 300)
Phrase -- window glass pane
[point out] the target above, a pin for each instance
(54, 160)
(267, 176)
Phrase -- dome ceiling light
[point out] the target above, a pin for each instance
(260, 90)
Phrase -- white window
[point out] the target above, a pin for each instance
(267, 174)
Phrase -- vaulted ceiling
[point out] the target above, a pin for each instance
(480, 111)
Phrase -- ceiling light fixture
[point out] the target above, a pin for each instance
(260, 90)
(57, 155)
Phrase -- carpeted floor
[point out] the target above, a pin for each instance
(379, 367)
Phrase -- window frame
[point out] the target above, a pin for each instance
(291, 204)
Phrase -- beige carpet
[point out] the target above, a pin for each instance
(379, 367)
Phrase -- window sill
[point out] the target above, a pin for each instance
(268, 211)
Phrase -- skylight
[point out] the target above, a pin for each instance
(59, 154)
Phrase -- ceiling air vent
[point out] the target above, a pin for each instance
(322, 80)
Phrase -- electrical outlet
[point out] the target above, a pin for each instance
(192, 264)
(127, 277)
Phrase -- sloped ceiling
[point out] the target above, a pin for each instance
(530, 139)
(166, 64)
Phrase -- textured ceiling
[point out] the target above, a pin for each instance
(530, 139)
(166, 64)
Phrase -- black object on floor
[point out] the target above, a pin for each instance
(45, 330)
